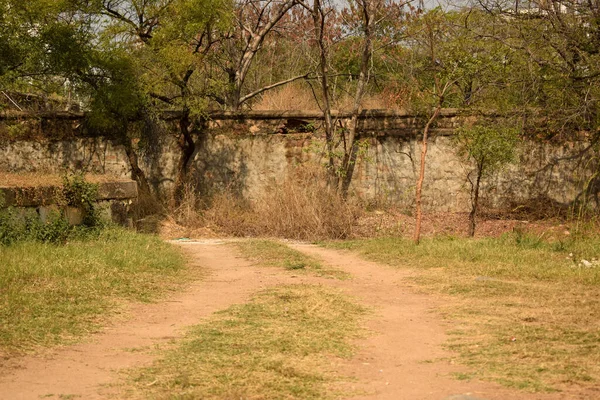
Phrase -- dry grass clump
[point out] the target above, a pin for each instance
(298, 96)
(295, 96)
(277, 346)
(229, 214)
(369, 102)
(186, 213)
(302, 208)
(271, 253)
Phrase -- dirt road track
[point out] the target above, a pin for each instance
(399, 360)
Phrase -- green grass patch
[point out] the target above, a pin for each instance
(526, 312)
(274, 254)
(274, 347)
(51, 294)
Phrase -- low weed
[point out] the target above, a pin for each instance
(274, 347)
(15, 227)
(26, 225)
(526, 311)
(51, 294)
(77, 192)
(273, 254)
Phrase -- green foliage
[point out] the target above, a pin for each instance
(490, 147)
(177, 55)
(467, 50)
(165, 60)
(18, 227)
(116, 98)
(82, 195)
(42, 43)
(27, 226)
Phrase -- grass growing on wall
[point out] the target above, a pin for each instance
(50, 294)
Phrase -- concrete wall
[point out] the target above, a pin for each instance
(248, 152)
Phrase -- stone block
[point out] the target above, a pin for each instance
(117, 190)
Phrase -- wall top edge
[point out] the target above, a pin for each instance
(31, 196)
(245, 115)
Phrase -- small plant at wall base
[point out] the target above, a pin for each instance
(81, 195)
(489, 148)
(22, 226)
(16, 227)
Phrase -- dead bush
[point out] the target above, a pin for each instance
(187, 212)
(231, 215)
(299, 96)
(301, 207)
(295, 96)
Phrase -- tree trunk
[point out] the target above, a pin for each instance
(419, 213)
(475, 200)
(319, 22)
(187, 147)
(232, 95)
(147, 202)
(136, 172)
(349, 160)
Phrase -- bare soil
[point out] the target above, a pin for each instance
(393, 222)
(401, 358)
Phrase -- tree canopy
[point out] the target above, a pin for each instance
(123, 60)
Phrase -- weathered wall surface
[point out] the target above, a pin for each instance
(248, 153)
(56, 156)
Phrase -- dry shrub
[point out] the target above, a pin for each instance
(186, 213)
(304, 208)
(231, 215)
(294, 96)
(298, 96)
(147, 204)
(152, 214)
(301, 208)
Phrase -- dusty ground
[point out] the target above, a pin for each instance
(401, 358)
(396, 223)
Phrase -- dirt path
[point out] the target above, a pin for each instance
(399, 361)
(402, 359)
(88, 370)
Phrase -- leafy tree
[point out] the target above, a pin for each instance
(12, 49)
(433, 86)
(167, 42)
(446, 64)
(41, 42)
(370, 20)
(358, 30)
(488, 148)
(560, 42)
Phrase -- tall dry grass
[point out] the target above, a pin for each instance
(298, 96)
(302, 208)
(294, 96)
